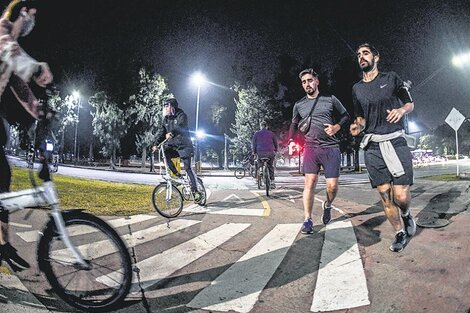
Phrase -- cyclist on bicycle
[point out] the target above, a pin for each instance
(264, 145)
(175, 130)
(16, 69)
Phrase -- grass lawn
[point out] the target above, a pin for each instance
(444, 177)
(96, 197)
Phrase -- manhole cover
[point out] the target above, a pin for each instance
(432, 222)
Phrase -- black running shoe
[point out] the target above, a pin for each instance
(326, 217)
(399, 243)
(307, 227)
(410, 225)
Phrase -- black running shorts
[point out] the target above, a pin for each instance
(379, 173)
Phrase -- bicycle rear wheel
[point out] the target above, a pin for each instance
(168, 202)
(239, 172)
(105, 282)
(267, 180)
(202, 190)
(259, 178)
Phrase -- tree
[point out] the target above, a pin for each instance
(109, 125)
(145, 111)
(252, 108)
(64, 115)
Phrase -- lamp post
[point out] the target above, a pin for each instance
(76, 96)
(198, 79)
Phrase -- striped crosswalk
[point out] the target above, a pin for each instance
(340, 281)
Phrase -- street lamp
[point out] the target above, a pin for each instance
(198, 79)
(461, 59)
(76, 96)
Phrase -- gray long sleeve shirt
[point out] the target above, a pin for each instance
(328, 110)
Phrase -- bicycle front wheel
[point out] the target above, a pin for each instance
(105, 281)
(168, 202)
(259, 179)
(240, 173)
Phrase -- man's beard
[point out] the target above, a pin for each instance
(311, 91)
(369, 67)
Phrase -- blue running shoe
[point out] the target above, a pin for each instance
(307, 227)
(326, 217)
(399, 243)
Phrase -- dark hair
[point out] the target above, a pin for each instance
(263, 124)
(308, 71)
(170, 101)
(372, 49)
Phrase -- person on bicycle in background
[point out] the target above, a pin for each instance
(16, 69)
(175, 130)
(264, 145)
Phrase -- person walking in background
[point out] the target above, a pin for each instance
(321, 145)
(381, 100)
(264, 145)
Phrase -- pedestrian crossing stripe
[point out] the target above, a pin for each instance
(33, 235)
(103, 248)
(162, 265)
(239, 287)
(341, 281)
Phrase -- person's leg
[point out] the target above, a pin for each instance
(5, 182)
(402, 198)
(330, 159)
(309, 194)
(191, 175)
(169, 154)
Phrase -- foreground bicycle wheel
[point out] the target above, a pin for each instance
(239, 172)
(105, 282)
(168, 202)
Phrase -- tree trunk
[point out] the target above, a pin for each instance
(112, 164)
(144, 158)
(152, 162)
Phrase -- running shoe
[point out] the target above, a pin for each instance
(410, 225)
(326, 217)
(307, 227)
(399, 243)
(197, 196)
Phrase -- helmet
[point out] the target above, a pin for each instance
(170, 101)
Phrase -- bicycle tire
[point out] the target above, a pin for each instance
(99, 244)
(171, 208)
(239, 172)
(259, 178)
(202, 190)
(267, 180)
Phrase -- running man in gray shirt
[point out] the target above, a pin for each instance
(321, 145)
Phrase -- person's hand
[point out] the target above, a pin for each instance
(45, 77)
(395, 115)
(331, 130)
(357, 126)
(169, 136)
(154, 148)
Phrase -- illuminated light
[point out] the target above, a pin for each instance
(200, 134)
(461, 60)
(198, 79)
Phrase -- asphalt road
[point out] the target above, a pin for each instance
(243, 252)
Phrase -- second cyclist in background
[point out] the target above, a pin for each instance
(175, 130)
(264, 145)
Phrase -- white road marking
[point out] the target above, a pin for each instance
(21, 225)
(341, 281)
(103, 247)
(162, 265)
(234, 196)
(238, 288)
(33, 235)
(15, 297)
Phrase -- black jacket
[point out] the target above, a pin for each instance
(177, 125)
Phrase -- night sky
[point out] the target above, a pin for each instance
(101, 44)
